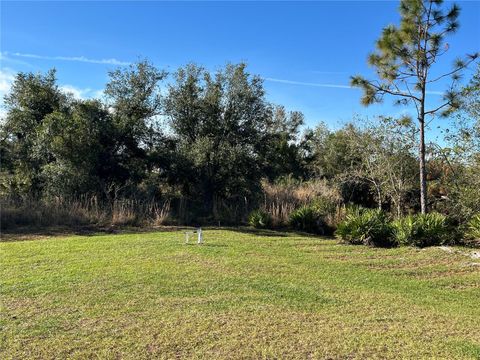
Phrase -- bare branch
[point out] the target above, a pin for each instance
(410, 93)
(448, 103)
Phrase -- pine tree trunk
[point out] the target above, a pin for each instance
(423, 170)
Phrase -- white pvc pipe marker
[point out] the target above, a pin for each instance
(199, 235)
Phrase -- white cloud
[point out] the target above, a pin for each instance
(76, 92)
(84, 59)
(6, 79)
(79, 93)
(98, 94)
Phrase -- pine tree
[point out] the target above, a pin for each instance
(404, 62)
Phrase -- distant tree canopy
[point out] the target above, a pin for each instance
(213, 136)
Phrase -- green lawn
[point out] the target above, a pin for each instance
(241, 295)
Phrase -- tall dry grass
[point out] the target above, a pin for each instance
(160, 212)
(80, 211)
(281, 198)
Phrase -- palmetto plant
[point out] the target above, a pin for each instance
(421, 230)
(259, 219)
(366, 226)
(307, 218)
(473, 228)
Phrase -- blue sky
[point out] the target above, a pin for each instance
(306, 51)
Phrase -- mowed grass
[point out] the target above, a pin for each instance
(240, 295)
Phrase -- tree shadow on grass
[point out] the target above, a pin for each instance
(25, 233)
(277, 233)
(206, 244)
(37, 233)
(260, 232)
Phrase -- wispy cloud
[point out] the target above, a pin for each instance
(84, 59)
(6, 59)
(329, 72)
(433, 92)
(292, 82)
(335, 86)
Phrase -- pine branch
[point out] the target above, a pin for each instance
(472, 58)
(381, 89)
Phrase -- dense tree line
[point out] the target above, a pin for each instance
(212, 138)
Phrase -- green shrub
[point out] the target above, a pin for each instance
(307, 218)
(366, 226)
(473, 231)
(259, 219)
(421, 230)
